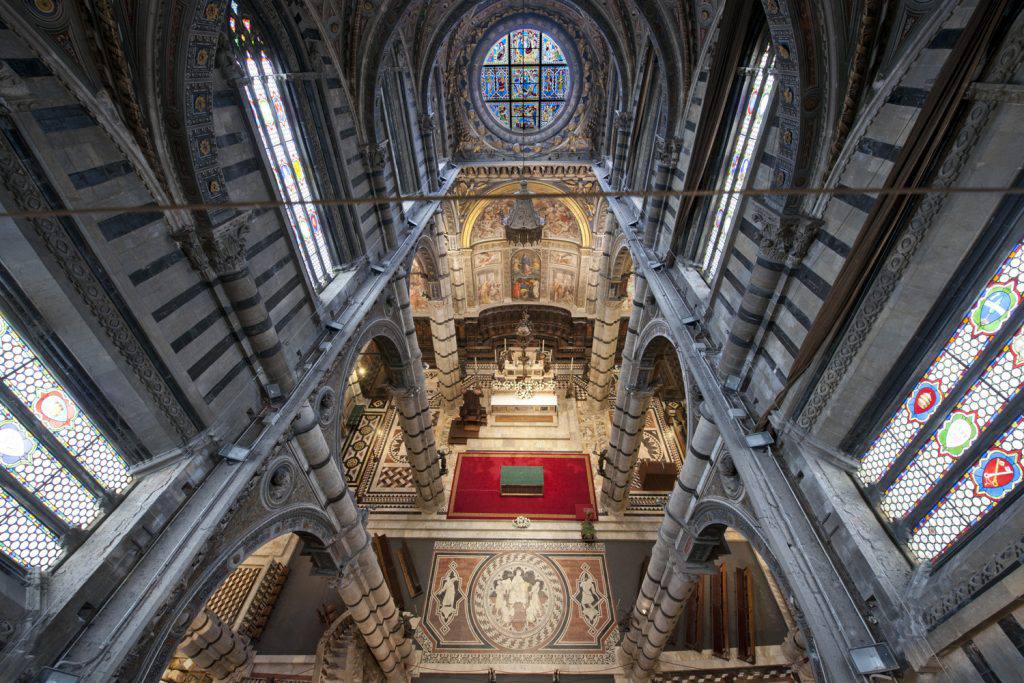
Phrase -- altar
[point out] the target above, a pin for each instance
(523, 390)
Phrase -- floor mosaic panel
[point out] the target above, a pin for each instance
(518, 602)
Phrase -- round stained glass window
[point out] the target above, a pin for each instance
(524, 80)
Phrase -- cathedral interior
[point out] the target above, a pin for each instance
(511, 340)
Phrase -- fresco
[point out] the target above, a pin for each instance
(563, 287)
(488, 287)
(526, 275)
(560, 223)
(486, 258)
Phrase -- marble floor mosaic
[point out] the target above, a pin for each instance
(524, 603)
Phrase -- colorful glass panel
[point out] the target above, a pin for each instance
(494, 83)
(524, 115)
(40, 392)
(992, 308)
(525, 81)
(989, 482)
(1000, 382)
(759, 96)
(525, 85)
(498, 54)
(23, 538)
(551, 52)
(525, 46)
(275, 131)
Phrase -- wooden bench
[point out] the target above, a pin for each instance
(353, 417)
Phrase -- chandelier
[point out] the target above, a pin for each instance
(523, 225)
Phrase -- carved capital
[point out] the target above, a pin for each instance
(427, 123)
(803, 231)
(624, 121)
(774, 241)
(375, 155)
(669, 151)
(226, 246)
(187, 240)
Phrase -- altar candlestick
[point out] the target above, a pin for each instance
(571, 361)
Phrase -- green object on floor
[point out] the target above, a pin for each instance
(354, 417)
(522, 480)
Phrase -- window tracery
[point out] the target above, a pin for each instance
(946, 458)
(45, 436)
(280, 145)
(525, 80)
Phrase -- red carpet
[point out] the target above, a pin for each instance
(476, 493)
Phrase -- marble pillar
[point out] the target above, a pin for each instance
(446, 352)
(623, 128)
(427, 127)
(216, 649)
(384, 631)
(376, 158)
(421, 451)
(416, 419)
(667, 159)
(631, 405)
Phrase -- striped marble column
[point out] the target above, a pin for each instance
(361, 583)
(376, 158)
(668, 157)
(421, 451)
(631, 405)
(606, 331)
(446, 352)
(643, 644)
(215, 649)
(417, 423)
(627, 419)
(385, 635)
(623, 128)
(651, 627)
(602, 353)
(442, 323)
(226, 253)
(781, 245)
(427, 128)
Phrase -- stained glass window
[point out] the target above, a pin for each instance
(43, 429)
(525, 80)
(761, 86)
(940, 464)
(279, 144)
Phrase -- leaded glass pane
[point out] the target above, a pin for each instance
(552, 53)
(990, 481)
(494, 83)
(525, 47)
(42, 475)
(23, 538)
(555, 83)
(992, 308)
(57, 411)
(1001, 381)
(278, 138)
(759, 95)
(498, 54)
(525, 81)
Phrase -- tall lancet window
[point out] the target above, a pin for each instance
(752, 112)
(951, 453)
(57, 466)
(280, 144)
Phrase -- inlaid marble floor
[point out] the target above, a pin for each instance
(535, 605)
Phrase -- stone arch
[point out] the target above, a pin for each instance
(709, 520)
(424, 270)
(391, 342)
(536, 187)
(620, 270)
(307, 521)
